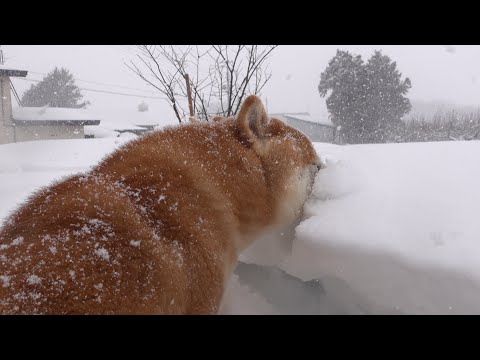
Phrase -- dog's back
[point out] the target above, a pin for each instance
(157, 226)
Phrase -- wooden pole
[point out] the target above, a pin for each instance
(189, 94)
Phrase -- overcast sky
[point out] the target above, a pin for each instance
(447, 73)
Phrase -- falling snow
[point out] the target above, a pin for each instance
(135, 243)
(33, 280)
(103, 253)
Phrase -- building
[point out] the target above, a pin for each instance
(37, 123)
(44, 123)
(7, 129)
(315, 128)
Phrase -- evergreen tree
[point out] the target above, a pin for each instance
(367, 100)
(386, 101)
(57, 89)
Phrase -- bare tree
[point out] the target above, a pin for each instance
(220, 76)
(450, 125)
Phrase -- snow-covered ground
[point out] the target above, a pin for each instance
(388, 229)
(398, 224)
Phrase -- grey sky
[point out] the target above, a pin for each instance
(447, 73)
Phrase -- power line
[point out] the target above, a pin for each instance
(15, 93)
(99, 83)
(106, 92)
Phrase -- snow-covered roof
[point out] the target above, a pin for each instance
(51, 116)
(304, 116)
(4, 70)
(311, 118)
(124, 119)
(112, 119)
(100, 132)
(119, 119)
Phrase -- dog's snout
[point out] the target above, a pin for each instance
(320, 163)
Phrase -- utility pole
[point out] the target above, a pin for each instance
(229, 92)
(189, 94)
(2, 59)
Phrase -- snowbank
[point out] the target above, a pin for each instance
(388, 228)
(398, 223)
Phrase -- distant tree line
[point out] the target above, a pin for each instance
(444, 126)
(367, 103)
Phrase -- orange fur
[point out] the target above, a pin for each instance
(157, 226)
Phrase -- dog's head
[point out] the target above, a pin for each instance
(288, 157)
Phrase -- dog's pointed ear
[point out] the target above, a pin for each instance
(252, 118)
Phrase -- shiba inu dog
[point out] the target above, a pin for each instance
(157, 226)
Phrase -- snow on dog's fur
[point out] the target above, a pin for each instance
(157, 226)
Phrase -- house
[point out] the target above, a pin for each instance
(44, 123)
(38, 123)
(317, 129)
(7, 129)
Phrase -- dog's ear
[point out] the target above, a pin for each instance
(252, 118)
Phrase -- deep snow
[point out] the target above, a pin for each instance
(388, 228)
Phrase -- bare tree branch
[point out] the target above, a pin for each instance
(220, 74)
